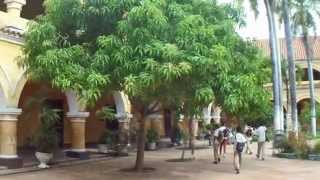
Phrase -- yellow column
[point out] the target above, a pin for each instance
(14, 7)
(78, 132)
(8, 138)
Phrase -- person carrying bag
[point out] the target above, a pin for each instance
(239, 143)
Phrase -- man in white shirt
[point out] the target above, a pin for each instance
(260, 132)
(248, 132)
(238, 146)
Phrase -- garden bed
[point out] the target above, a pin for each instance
(314, 157)
(287, 155)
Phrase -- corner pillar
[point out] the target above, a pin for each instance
(78, 132)
(14, 7)
(8, 139)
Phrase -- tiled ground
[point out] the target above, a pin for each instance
(200, 169)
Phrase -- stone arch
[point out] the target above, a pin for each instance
(307, 96)
(22, 81)
(3, 103)
(4, 88)
(305, 66)
(122, 103)
(207, 113)
(29, 120)
(121, 100)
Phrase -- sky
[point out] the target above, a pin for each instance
(258, 28)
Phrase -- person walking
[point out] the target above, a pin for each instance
(217, 139)
(239, 143)
(223, 145)
(260, 132)
(248, 132)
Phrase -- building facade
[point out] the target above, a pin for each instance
(79, 125)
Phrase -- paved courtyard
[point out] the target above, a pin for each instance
(200, 169)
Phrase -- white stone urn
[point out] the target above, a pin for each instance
(44, 159)
(151, 146)
(103, 148)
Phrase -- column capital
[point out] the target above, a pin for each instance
(123, 117)
(14, 7)
(9, 114)
(79, 117)
(77, 114)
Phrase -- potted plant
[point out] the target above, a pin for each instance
(46, 138)
(105, 142)
(152, 138)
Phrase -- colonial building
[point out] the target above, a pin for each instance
(79, 126)
(302, 85)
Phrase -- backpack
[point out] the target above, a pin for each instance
(226, 132)
(239, 145)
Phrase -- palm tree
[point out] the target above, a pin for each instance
(304, 20)
(284, 9)
(276, 67)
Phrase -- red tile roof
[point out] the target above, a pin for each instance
(299, 52)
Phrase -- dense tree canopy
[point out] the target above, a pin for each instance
(174, 52)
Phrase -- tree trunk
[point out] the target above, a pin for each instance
(288, 119)
(275, 74)
(291, 63)
(278, 52)
(140, 145)
(309, 53)
(192, 137)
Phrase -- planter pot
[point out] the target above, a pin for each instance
(287, 155)
(44, 159)
(314, 157)
(151, 146)
(103, 148)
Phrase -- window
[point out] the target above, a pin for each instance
(32, 9)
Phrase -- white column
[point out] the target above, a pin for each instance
(14, 7)
(124, 131)
(216, 115)
(8, 138)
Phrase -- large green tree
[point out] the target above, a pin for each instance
(174, 53)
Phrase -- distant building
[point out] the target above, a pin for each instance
(300, 61)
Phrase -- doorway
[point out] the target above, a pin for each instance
(57, 104)
(167, 122)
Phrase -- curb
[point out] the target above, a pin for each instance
(8, 172)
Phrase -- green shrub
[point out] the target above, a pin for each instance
(109, 138)
(316, 148)
(152, 135)
(297, 145)
(286, 146)
(302, 147)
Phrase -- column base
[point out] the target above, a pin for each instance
(78, 154)
(12, 163)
